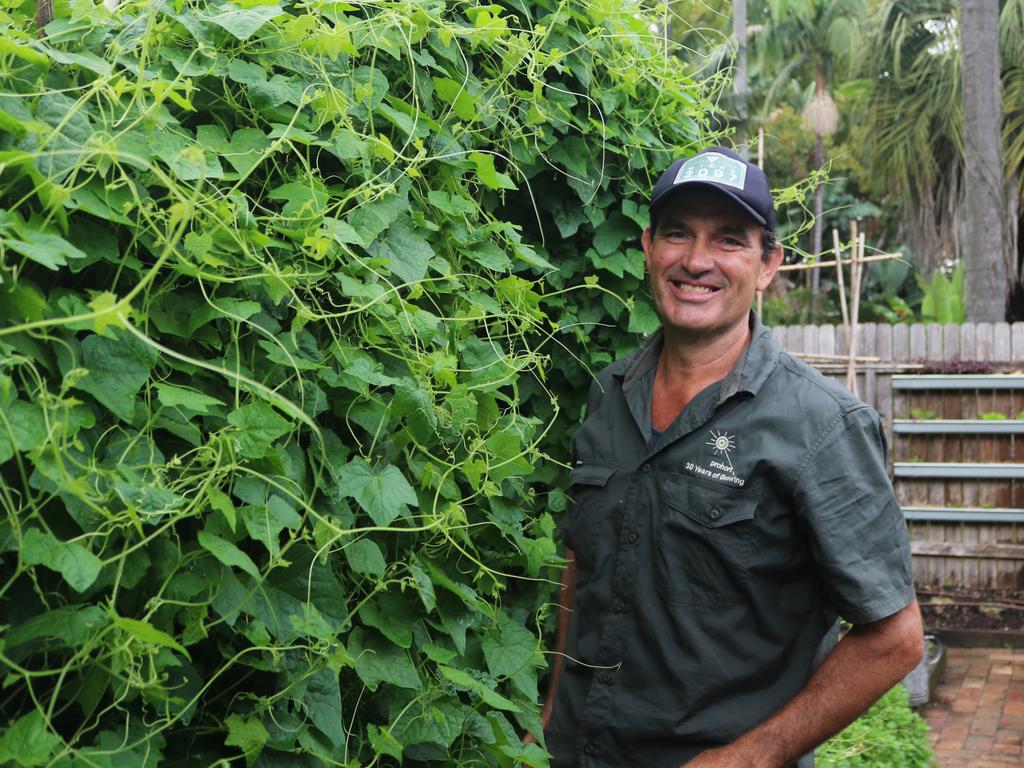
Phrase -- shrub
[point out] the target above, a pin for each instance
(889, 735)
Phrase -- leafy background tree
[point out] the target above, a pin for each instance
(894, 162)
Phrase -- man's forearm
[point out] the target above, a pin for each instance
(861, 668)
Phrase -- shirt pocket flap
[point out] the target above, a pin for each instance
(710, 507)
(590, 474)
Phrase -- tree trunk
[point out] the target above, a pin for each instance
(984, 204)
(44, 15)
(739, 83)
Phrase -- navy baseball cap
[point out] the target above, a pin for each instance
(726, 171)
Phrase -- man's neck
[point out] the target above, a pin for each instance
(688, 366)
(698, 362)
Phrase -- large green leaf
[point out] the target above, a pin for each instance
(391, 614)
(147, 633)
(405, 250)
(486, 694)
(228, 553)
(508, 648)
(22, 428)
(46, 248)
(248, 734)
(28, 742)
(75, 563)
(118, 367)
(258, 426)
(364, 556)
(380, 661)
(265, 522)
(72, 625)
(384, 494)
(322, 702)
(244, 22)
(182, 397)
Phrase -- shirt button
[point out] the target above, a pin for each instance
(646, 468)
(619, 606)
(714, 513)
(631, 537)
(591, 749)
(605, 678)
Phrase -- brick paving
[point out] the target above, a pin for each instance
(976, 719)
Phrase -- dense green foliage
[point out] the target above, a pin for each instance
(297, 305)
(889, 735)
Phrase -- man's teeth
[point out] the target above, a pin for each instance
(687, 288)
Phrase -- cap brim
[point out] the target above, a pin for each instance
(727, 191)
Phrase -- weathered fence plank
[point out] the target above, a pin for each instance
(1001, 342)
(950, 343)
(983, 341)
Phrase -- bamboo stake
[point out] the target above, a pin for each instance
(845, 262)
(837, 358)
(760, 164)
(855, 279)
(842, 288)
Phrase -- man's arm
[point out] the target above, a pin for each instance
(564, 611)
(861, 668)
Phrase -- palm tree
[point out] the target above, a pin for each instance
(984, 206)
(739, 33)
(820, 37)
(912, 127)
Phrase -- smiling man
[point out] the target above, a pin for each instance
(729, 505)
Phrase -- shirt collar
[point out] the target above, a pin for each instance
(748, 374)
(756, 363)
(646, 358)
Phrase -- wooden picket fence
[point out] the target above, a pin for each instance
(957, 441)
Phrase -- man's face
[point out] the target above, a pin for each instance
(705, 264)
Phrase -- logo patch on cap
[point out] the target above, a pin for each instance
(715, 168)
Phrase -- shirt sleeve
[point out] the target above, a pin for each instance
(857, 531)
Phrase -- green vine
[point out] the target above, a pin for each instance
(298, 304)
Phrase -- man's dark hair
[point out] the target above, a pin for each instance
(769, 239)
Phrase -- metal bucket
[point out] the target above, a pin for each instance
(922, 679)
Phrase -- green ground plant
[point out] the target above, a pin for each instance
(944, 298)
(281, 291)
(889, 735)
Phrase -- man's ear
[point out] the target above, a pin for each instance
(646, 244)
(771, 266)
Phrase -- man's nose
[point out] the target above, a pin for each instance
(698, 258)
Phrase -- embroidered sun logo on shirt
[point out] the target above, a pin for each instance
(722, 443)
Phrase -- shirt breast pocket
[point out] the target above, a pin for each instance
(589, 494)
(706, 541)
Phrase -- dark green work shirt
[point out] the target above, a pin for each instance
(713, 563)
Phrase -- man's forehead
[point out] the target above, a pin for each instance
(705, 203)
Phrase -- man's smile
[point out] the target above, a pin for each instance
(691, 289)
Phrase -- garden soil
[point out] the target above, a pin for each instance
(973, 609)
